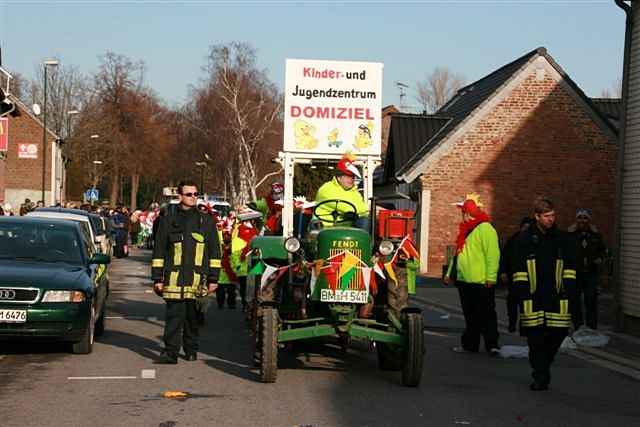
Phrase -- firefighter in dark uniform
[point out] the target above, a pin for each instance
(185, 265)
(543, 276)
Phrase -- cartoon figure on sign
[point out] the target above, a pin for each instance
(304, 135)
(363, 138)
(333, 139)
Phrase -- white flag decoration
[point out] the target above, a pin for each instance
(378, 270)
(366, 275)
(268, 271)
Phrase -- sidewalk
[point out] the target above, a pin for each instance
(621, 354)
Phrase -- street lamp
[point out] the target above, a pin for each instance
(201, 165)
(48, 63)
(69, 114)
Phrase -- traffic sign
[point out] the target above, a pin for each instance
(92, 194)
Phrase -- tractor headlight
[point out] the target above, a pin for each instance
(292, 245)
(386, 247)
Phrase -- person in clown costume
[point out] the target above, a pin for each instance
(343, 187)
(270, 210)
(228, 279)
(241, 238)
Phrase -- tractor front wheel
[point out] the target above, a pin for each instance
(413, 351)
(269, 345)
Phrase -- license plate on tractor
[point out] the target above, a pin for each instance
(13, 316)
(349, 296)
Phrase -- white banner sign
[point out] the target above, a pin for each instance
(332, 107)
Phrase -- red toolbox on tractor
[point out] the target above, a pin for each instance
(396, 224)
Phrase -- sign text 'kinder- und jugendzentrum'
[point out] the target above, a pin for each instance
(333, 107)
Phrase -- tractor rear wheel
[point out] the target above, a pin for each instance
(398, 293)
(269, 345)
(413, 351)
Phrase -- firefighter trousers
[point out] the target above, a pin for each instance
(479, 308)
(181, 327)
(544, 343)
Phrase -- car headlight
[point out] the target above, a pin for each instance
(292, 245)
(386, 247)
(63, 296)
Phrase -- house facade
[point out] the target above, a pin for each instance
(21, 165)
(522, 131)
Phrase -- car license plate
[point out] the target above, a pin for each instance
(355, 297)
(13, 316)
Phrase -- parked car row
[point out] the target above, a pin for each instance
(54, 281)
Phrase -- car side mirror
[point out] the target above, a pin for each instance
(100, 259)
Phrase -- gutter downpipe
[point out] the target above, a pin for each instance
(619, 315)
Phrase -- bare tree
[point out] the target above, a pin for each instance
(118, 82)
(67, 89)
(437, 88)
(248, 110)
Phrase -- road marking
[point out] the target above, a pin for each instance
(104, 378)
(148, 374)
(436, 334)
(147, 291)
(126, 317)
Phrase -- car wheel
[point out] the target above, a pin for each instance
(85, 345)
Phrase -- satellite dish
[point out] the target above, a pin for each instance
(36, 109)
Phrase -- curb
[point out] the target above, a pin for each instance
(625, 366)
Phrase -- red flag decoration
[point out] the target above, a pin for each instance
(331, 275)
(373, 283)
(409, 248)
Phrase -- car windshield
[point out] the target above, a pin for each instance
(39, 242)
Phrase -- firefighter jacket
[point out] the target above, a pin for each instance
(480, 257)
(543, 273)
(186, 253)
(589, 247)
(332, 190)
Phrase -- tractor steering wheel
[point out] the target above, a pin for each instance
(334, 217)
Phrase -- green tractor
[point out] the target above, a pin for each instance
(321, 284)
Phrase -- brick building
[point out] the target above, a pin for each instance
(524, 130)
(21, 166)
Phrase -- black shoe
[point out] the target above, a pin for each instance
(535, 386)
(512, 328)
(168, 359)
(232, 307)
(220, 306)
(191, 357)
(494, 352)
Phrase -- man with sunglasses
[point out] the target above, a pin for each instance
(590, 252)
(186, 256)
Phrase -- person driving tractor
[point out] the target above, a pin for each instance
(342, 188)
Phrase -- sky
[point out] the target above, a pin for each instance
(411, 38)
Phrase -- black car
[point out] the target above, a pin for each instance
(52, 282)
